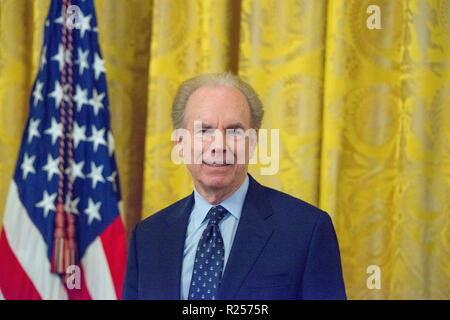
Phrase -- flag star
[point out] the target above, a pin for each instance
(37, 93)
(59, 57)
(73, 208)
(80, 97)
(97, 137)
(93, 211)
(110, 143)
(47, 203)
(55, 130)
(57, 94)
(33, 129)
(47, 23)
(96, 174)
(27, 165)
(96, 101)
(79, 133)
(52, 167)
(77, 170)
(43, 59)
(112, 179)
(98, 66)
(82, 60)
(59, 20)
(85, 22)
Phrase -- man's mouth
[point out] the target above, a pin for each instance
(213, 164)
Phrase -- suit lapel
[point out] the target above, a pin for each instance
(171, 250)
(251, 236)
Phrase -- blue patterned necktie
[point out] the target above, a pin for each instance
(208, 265)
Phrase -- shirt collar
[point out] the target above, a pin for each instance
(233, 204)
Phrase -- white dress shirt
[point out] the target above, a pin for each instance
(197, 224)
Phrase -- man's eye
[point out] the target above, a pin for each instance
(235, 131)
(207, 131)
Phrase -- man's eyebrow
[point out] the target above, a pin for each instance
(236, 125)
(207, 126)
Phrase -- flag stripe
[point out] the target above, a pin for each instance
(114, 245)
(13, 280)
(29, 247)
(98, 277)
(83, 292)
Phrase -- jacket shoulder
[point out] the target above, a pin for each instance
(292, 207)
(162, 215)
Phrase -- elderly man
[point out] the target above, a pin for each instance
(232, 238)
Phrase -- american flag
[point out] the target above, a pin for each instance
(27, 238)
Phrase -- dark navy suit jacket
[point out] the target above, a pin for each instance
(284, 248)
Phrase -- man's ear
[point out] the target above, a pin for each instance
(180, 137)
(179, 145)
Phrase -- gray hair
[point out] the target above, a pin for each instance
(187, 88)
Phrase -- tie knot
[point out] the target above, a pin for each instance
(216, 214)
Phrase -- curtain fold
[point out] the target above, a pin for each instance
(385, 147)
(282, 55)
(363, 114)
(189, 37)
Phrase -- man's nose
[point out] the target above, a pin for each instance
(218, 141)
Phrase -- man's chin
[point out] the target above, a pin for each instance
(217, 182)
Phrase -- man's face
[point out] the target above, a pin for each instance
(218, 144)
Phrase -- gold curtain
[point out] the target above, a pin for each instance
(363, 114)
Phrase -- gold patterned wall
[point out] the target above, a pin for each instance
(363, 114)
